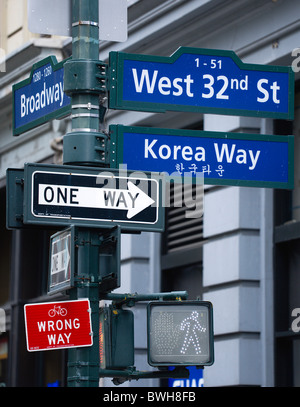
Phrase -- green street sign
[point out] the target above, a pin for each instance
(65, 195)
(200, 80)
(41, 97)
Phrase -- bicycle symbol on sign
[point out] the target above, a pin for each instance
(57, 310)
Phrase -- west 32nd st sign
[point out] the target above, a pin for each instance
(200, 80)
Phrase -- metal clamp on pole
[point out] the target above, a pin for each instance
(86, 147)
(85, 80)
(93, 23)
(84, 76)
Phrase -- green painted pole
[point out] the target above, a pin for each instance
(85, 82)
(85, 47)
(83, 363)
(82, 83)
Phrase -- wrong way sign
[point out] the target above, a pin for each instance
(57, 325)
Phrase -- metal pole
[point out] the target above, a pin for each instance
(85, 81)
(83, 363)
(85, 47)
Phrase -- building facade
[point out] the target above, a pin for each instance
(241, 254)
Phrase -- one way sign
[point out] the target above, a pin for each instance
(64, 195)
(131, 199)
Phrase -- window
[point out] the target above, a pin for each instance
(13, 24)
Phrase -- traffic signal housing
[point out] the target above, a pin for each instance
(116, 338)
(180, 333)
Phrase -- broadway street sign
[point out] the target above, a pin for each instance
(236, 159)
(65, 195)
(41, 97)
(200, 80)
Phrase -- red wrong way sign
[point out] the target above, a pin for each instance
(56, 325)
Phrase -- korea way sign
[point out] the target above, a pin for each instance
(65, 195)
(200, 80)
(236, 159)
(41, 97)
(56, 325)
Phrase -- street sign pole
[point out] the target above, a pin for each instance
(83, 363)
(85, 82)
(84, 86)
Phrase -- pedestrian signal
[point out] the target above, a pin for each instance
(180, 333)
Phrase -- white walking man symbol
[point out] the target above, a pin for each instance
(191, 325)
